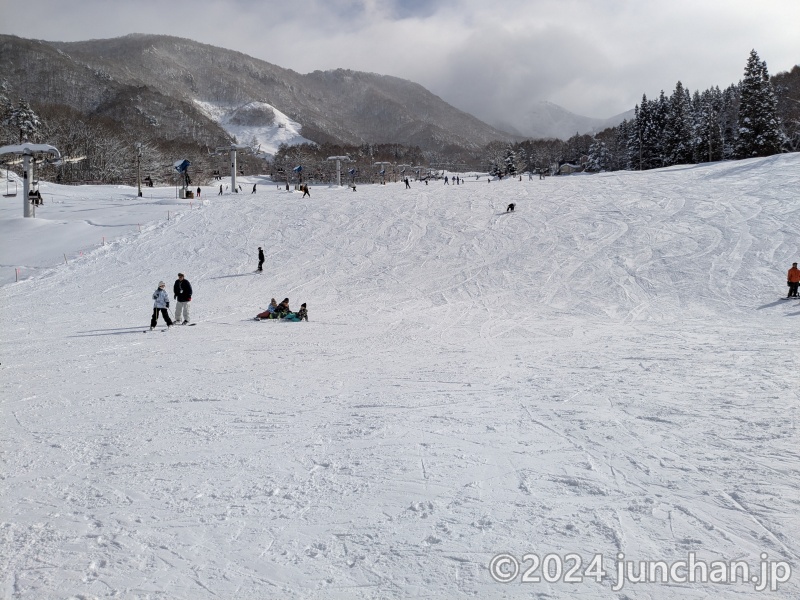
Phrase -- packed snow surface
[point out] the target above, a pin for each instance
(610, 369)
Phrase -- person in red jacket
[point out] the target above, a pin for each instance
(793, 280)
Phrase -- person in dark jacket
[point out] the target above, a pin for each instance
(283, 309)
(182, 292)
(303, 313)
(260, 259)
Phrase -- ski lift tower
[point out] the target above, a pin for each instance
(182, 167)
(382, 172)
(233, 149)
(339, 160)
(30, 152)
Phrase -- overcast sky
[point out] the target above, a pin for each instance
(595, 58)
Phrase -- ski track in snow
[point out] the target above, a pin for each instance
(609, 369)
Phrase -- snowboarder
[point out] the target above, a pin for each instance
(161, 303)
(510, 207)
(261, 259)
(182, 291)
(254, 189)
(793, 280)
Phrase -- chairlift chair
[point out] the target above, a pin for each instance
(8, 193)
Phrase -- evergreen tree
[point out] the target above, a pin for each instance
(510, 162)
(707, 131)
(759, 126)
(644, 136)
(677, 146)
(599, 157)
(23, 119)
(729, 121)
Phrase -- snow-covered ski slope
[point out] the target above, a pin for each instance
(609, 369)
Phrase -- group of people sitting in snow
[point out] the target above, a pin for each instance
(282, 311)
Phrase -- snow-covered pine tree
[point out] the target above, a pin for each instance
(510, 162)
(759, 126)
(23, 119)
(707, 132)
(599, 157)
(729, 121)
(677, 148)
(644, 136)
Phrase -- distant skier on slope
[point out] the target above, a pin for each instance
(793, 280)
(260, 259)
(161, 303)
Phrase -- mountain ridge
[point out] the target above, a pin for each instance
(157, 81)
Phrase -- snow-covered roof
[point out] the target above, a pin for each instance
(28, 149)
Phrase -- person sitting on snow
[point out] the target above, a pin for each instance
(270, 312)
(300, 315)
(282, 309)
(303, 313)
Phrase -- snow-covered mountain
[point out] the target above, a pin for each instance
(257, 124)
(608, 371)
(548, 120)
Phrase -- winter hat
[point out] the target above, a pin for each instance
(303, 305)
(162, 284)
(285, 299)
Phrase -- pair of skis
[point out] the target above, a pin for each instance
(166, 328)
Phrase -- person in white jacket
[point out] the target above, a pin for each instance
(161, 303)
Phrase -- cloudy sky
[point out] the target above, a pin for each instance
(593, 57)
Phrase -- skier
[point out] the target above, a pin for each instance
(261, 259)
(408, 185)
(445, 180)
(793, 280)
(305, 190)
(511, 207)
(161, 303)
(198, 193)
(254, 189)
(182, 291)
(220, 190)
